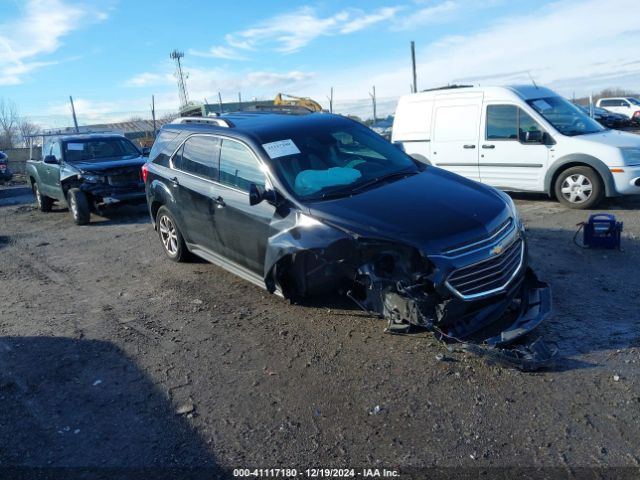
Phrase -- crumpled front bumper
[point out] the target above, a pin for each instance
(495, 328)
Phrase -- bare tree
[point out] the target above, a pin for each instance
(8, 123)
(167, 117)
(27, 129)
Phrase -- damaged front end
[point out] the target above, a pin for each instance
(481, 295)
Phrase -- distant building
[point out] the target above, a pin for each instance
(217, 108)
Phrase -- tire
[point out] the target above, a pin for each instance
(44, 203)
(78, 206)
(579, 187)
(171, 239)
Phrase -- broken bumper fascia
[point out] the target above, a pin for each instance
(106, 195)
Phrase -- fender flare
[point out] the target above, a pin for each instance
(574, 160)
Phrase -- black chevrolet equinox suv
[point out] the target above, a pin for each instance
(306, 204)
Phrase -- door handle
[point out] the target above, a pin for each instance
(175, 181)
(219, 201)
(488, 146)
(469, 146)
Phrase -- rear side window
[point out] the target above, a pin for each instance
(199, 156)
(607, 103)
(239, 167)
(163, 147)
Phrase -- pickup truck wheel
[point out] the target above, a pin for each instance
(44, 203)
(171, 238)
(579, 187)
(79, 206)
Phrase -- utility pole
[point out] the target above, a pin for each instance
(73, 112)
(182, 86)
(413, 64)
(330, 98)
(220, 101)
(153, 114)
(240, 100)
(373, 101)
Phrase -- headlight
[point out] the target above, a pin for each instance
(92, 178)
(631, 156)
(514, 212)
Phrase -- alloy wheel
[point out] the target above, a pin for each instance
(168, 235)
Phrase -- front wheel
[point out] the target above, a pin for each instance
(579, 187)
(79, 206)
(171, 238)
(44, 203)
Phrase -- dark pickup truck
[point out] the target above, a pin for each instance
(89, 172)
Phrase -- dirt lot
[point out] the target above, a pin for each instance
(112, 356)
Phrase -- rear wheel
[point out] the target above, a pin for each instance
(172, 241)
(579, 187)
(79, 206)
(44, 203)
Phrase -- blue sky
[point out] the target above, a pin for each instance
(112, 55)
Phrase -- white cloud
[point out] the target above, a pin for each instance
(438, 13)
(148, 79)
(289, 32)
(569, 45)
(227, 53)
(39, 31)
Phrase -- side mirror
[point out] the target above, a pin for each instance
(51, 160)
(146, 151)
(533, 136)
(256, 194)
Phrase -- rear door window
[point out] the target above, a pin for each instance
(199, 156)
(239, 167)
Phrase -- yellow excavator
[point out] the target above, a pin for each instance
(285, 100)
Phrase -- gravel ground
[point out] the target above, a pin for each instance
(111, 356)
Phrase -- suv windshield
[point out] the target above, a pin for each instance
(564, 116)
(96, 150)
(336, 161)
(635, 101)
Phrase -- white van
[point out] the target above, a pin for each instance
(519, 138)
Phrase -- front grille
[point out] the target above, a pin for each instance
(474, 244)
(124, 179)
(489, 276)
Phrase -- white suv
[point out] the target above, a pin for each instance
(627, 106)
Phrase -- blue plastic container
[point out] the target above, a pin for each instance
(602, 231)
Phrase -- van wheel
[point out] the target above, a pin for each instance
(172, 241)
(79, 206)
(579, 187)
(44, 203)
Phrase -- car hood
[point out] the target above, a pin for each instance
(432, 210)
(613, 138)
(108, 164)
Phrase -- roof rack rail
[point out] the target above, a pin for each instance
(287, 109)
(220, 122)
(447, 87)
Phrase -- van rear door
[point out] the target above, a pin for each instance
(454, 145)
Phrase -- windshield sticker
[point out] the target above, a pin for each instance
(281, 148)
(75, 146)
(541, 105)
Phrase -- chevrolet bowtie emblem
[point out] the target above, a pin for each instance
(497, 250)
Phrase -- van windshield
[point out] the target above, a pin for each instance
(564, 116)
(635, 101)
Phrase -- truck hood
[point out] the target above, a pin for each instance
(432, 210)
(612, 138)
(108, 164)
